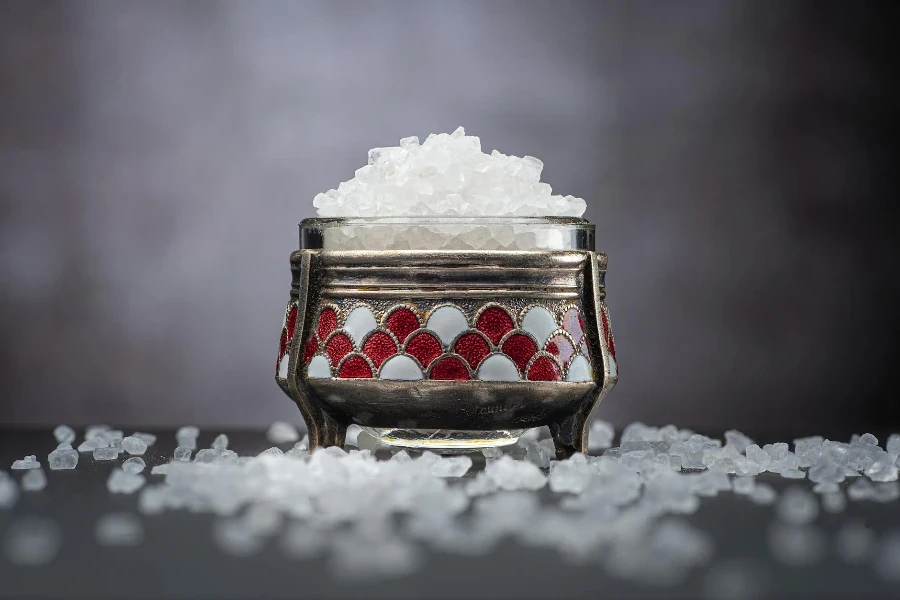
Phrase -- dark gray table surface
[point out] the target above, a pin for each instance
(178, 558)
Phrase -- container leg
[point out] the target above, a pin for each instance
(569, 435)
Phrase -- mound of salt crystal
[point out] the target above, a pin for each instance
(447, 175)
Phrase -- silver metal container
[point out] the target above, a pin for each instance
(450, 334)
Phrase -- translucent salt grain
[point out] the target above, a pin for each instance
(119, 530)
(273, 451)
(492, 452)
(793, 474)
(763, 494)
(32, 541)
(147, 438)
(854, 541)
(92, 431)
(64, 433)
(121, 482)
(187, 436)
(881, 471)
(160, 469)
(135, 464)
(743, 485)
(9, 491)
(571, 475)
(34, 480)
(106, 454)
(281, 432)
(737, 440)
(797, 507)
(206, 455)
(600, 435)
(182, 454)
(510, 474)
(220, 443)
(451, 466)
(796, 545)
(62, 458)
(133, 445)
(91, 444)
(867, 439)
(893, 446)
(29, 462)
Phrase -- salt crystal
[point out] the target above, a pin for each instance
(34, 480)
(826, 487)
(492, 452)
(826, 470)
(281, 432)
(743, 485)
(797, 507)
(350, 437)
(160, 469)
(867, 439)
(117, 445)
(451, 466)
(92, 431)
(809, 449)
(182, 454)
(510, 474)
(64, 433)
(571, 475)
(62, 458)
(834, 502)
(147, 438)
(29, 462)
(273, 451)
(106, 454)
(91, 444)
(121, 482)
(763, 494)
(135, 464)
(854, 541)
(881, 471)
(9, 491)
(861, 489)
(796, 545)
(119, 530)
(793, 474)
(759, 456)
(206, 455)
(737, 440)
(220, 443)
(32, 541)
(187, 436)
(540, 453)
(893, 445)
(600, 435)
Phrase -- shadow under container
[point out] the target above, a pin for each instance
(447, 334)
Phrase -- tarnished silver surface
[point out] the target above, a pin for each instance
(384, 278)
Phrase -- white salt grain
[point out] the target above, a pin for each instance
(510, 474)
(121, 482)
(32, 541)
(187, 437)
(182, 454)
(738, 440)
(62, 458)
(147, 438)
(119, 530)
(281, 432)
(34, 480)
(492, 452)
(220, 443)
(106, 454)
(571, 475)
(135, 464)
(600, 435)
(273, 451)
(881, 470)
(29, 462)
(91, 444)
(64, 433)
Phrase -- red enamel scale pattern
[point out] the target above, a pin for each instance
(425, 347)
(379, 347)
(494, 322)
(544, 368)
(402, 322)
(607, 335)
(520, 348)
(355, 367)
(312, 346)
(282, 346)
(327, 322)
(291, 321)
(338, 347)
(450, 368)
(472, 347)
(402, 333)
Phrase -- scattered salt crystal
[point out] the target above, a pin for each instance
(182, 454)
(64, 433)
(763, 493)
(281, 432)
(793, 474)
(759, 456)
(893, 445)
(881, 470)
(62, 458)
(135, 464)
(133, 445)
(106, 454)
(510, 474)
(91, 444)
(737, 440)
(147, 438)
(797, 507)
(119, 530)
(492, 452)
(29, 462)
(206, 455)
(273, 451)
(34, 480)
(121, 482)
(350, 437)
(9, 491)
(571, 475)
(32, 541)
(92, 431)
(451, 466)
(600, 435)
(834, 502)
(220, 443)
(867, 439)
(540, 453)
(854, 541)
(160, 469)
(796, 545)
(187, 436)
(117, 445)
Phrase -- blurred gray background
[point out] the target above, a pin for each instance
(155, 158)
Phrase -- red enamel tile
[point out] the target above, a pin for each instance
(472, 347)
(291, 321)
(327, 322)
(402, 322)
(450, 368)
(312, 346)
(338, 347)
(544, 368)
(379, 347)
(355, 367)
(494, 322)
(560, 347)
(424, 347)
(607, 334)
(520, 348)
(282, 345)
